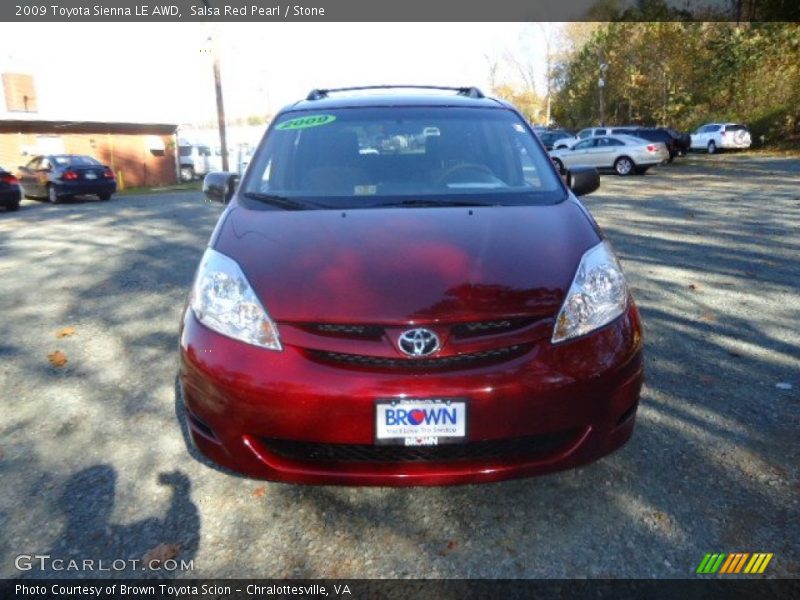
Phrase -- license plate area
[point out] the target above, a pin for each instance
(420, 421)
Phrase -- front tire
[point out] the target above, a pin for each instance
(624, 166)
(52, 195)
(712, 147)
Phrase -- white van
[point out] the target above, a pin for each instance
(195, 160)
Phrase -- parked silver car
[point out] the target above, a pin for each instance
(625, 154)
(568, 142)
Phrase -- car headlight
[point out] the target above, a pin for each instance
(597, 296)
(223, 300)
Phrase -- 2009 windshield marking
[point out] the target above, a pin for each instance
(305, 122)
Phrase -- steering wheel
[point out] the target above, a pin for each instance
(474, 167)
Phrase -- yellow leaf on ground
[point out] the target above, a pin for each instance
(163, 552)
(57, 358)
(65, 332)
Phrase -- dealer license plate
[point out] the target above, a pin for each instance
(420, 422)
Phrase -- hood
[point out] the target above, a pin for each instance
(402, 265)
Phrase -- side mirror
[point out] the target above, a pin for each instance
(583, 180)
(220, 186)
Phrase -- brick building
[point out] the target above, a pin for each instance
(142, 154)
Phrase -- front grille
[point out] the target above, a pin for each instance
(376, 332)
(442, 362)
(522, 447)
(366, 332)
(464, 330)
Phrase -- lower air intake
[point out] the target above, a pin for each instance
(511, 448)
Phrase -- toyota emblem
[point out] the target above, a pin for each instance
(418, 342)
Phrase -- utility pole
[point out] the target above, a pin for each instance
(601, 84)
(223, 141)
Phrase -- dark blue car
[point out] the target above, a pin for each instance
(61, 176)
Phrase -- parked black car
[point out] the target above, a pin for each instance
(551, 136)
(683, 140)
(61, 176)
(652, 134)
(10, 192)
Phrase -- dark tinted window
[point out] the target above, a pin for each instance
(185, 150)
(609, 142)
(583, 145)
(550, 137)
(735, 128)
(375, 156)
(74, 160)
(654, 135)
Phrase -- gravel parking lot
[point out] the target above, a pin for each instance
(94, 463)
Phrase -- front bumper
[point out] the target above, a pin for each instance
(245, 405)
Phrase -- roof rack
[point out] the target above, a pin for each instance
(469, 91)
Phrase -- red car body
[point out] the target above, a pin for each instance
(342, 286)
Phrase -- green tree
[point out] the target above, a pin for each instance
(683, 74)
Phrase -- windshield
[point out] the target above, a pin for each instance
(418, 156)
(75, 160)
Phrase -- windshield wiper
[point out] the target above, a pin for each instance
(282, 201)
(433, 203)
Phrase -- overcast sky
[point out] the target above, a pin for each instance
(159, 72)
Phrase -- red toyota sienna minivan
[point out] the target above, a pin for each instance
(402, 290)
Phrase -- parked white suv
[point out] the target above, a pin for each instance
(716, 136)
(195, 160)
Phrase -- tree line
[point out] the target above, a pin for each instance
(683, 75)
(668, 73)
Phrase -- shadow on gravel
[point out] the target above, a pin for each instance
(87, 501)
